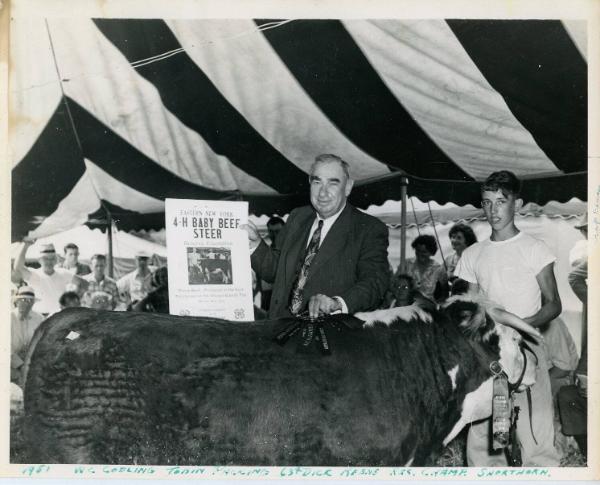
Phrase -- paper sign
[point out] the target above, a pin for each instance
(209, 259)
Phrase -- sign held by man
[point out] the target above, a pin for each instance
(209, 260)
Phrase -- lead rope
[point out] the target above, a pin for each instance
(514, 457)
(528, 391)
(513, 454)
(524, 345)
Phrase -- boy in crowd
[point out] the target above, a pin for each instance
(516, 271)
(99, 282)
(136, 285)
(69, 299)
(71, 261)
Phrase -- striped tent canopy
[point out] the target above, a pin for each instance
(115, 115)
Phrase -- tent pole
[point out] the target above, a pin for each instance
(403, 194)
(110, 244)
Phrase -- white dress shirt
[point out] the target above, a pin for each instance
(327, 223)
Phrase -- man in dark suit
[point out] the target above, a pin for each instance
(330, 257)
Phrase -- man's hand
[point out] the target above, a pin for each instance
(322, 304)
(253, 235)
(582, 384)
(19, 271)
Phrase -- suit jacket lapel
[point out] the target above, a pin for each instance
(334, 241)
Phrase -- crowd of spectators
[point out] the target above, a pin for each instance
(58, 284)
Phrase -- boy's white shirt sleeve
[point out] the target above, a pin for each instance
(464, 268)
(541, 256)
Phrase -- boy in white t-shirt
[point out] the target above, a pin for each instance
(516, 271)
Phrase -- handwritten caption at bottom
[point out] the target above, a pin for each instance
(184, 472)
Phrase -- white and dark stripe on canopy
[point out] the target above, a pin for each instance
(237, 109)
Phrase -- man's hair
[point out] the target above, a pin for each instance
(71, 246)
(99, 257)
(426, 240)
(68, 296)
(273, 221)
(466, 231)
(329, 157)
(505, 181)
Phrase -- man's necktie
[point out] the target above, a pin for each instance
(309, 255)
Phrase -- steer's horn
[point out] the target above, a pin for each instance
(510, 319)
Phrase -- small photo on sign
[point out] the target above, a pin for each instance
(209, 266)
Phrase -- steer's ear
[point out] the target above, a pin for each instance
(470, 317)
(461, 312)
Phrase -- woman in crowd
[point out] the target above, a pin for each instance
(429, 277)
(461, 237)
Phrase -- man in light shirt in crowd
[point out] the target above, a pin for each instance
(136, 285)
(48, 281)
(98, 281)
(71, 261)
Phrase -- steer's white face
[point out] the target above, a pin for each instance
(478, 404)
(511, 357)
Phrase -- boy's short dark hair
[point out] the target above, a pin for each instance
(68, 296)
(426, 240)
(70, 246)
(505, 181)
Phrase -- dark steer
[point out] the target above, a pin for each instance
(111, 387)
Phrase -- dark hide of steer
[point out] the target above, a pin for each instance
(158, 389)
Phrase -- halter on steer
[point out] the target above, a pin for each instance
(504, 413)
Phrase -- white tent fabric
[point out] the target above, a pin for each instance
(297, 128)
(448, 96)
(239, 108)
(425, 213)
